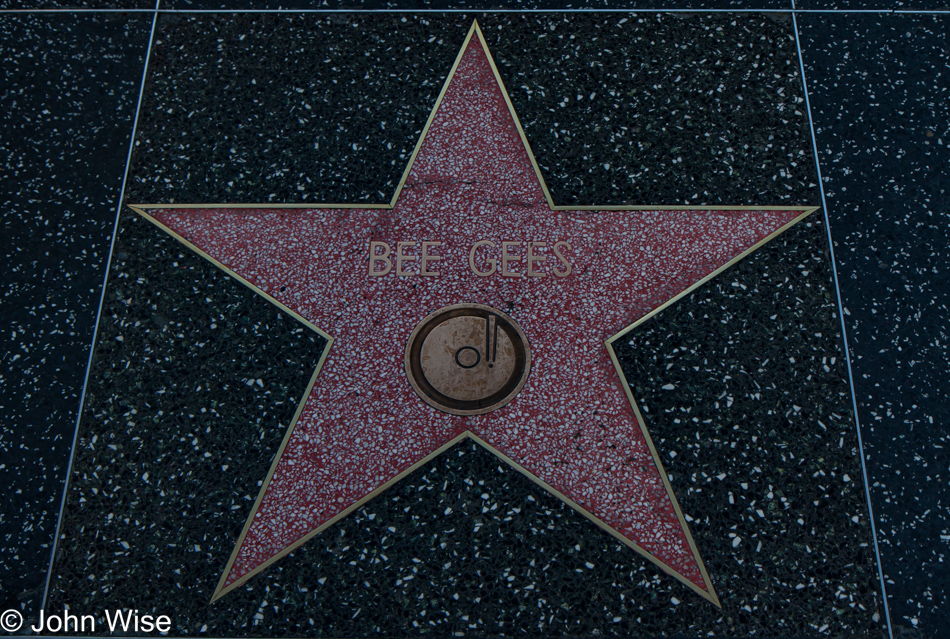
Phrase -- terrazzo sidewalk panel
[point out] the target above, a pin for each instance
(880, 98)
(197, 378)
(66, 116)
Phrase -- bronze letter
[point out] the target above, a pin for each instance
(401, 257)
(426, 258)
(505, 258)
(567, 265)
(532, 258)
(373, 258)
(491, 260)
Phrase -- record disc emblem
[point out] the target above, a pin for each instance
(467, 359)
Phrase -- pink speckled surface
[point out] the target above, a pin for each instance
(571, 426)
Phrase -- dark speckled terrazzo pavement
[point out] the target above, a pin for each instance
(881, 105)
(744, 384)
(70, 89)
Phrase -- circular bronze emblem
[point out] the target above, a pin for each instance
(467, 359)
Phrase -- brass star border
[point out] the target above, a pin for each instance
(146, 211)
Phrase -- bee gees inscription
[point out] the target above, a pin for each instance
(485, 258)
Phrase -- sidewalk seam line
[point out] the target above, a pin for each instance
(844, 332)
(102, 297)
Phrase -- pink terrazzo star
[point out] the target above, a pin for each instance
(573, 428)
